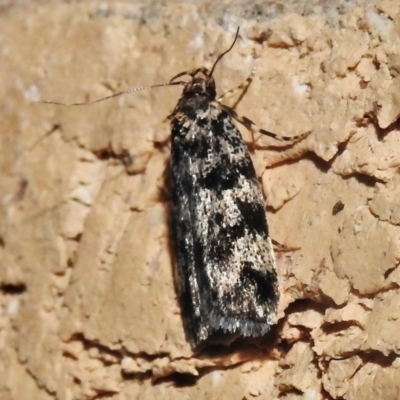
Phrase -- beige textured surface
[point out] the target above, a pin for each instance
(87, 303)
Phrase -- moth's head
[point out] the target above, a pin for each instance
(201, 84)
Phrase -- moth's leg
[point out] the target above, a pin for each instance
(283, 248)
(253, 128)
(242, 87)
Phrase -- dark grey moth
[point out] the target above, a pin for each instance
(226, 277)
(227, 280)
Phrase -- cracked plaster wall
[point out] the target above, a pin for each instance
(88, 307)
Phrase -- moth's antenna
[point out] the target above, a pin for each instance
(114, 95)
(225, 52)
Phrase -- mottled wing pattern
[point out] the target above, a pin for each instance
(226, 266)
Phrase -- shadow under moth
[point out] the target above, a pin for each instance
(226, 277)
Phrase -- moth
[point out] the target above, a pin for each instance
(225, 266)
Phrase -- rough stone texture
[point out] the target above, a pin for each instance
(88, 307)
